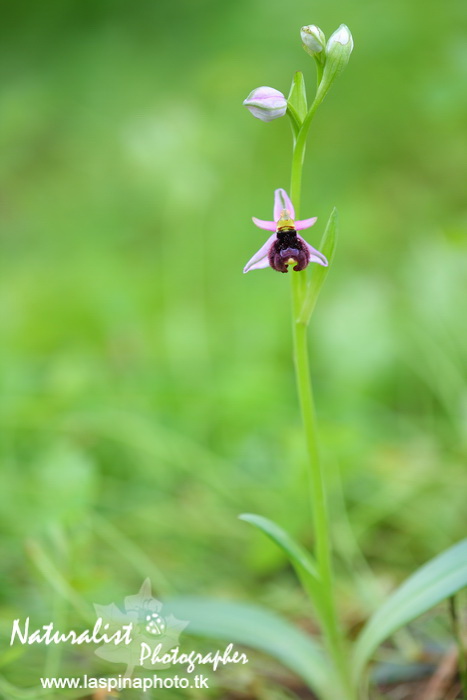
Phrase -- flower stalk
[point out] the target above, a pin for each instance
(331, 628)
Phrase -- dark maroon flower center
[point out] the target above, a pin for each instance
(288, 246)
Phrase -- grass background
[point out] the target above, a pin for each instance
(147, 391)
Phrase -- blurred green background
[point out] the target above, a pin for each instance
(147, 389)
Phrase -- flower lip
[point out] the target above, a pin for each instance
(288, 248)
(284, 247)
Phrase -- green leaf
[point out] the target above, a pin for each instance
(295, 552)
(440, 578)
(256, 627)
(294, 120)
(318, 277)
(301, 560)
(297, 96)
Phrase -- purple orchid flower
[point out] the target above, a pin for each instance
(285, 247)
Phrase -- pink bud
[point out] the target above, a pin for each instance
(266, 103)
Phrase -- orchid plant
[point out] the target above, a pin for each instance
(334, 668)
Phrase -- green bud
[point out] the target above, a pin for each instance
(313, 41)
(338, 50)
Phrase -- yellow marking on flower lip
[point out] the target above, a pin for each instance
(285, 221)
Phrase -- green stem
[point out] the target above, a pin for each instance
(319, 73)
(331, 628)
(299, 157)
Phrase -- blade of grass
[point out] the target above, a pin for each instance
(438, 579)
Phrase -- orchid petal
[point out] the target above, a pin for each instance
(267, 225)
(305, 223)
(260, 265)
(315, 255)
(261, 255)
(281, 202)
(320, 260)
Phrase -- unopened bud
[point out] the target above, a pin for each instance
(266, 103)
(338, 50)
(313, 41)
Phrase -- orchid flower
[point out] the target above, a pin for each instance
(285, 247)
